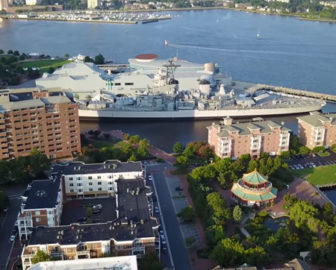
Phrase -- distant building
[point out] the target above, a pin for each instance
(92, 4)
(41, 206)
(331, 4)
(234, 140)
(117, 263)
(130, 229)
(31, 118)
(32, 2)
(254, 189)
(3, 5)
(317, 129)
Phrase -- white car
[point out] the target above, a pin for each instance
(12, 238)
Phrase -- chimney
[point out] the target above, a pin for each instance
(227, 121)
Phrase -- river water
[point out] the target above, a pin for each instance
(290, 52)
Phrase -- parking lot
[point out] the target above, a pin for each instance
(311, 161)
(76, 211)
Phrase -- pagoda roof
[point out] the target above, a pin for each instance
(254, 178)
(262, 197)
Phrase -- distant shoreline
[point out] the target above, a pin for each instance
(298, 16)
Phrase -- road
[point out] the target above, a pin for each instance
(8, 225)
(173, 232)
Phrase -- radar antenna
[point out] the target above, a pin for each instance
(170, 69)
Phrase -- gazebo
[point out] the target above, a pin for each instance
(254, 189)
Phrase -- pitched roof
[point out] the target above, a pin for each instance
(272, 194)
(317, 119)
(255, 178)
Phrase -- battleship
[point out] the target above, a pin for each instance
(152, 88)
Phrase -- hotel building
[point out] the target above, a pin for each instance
(112, 263)
(30, 118)
(234, 140)
(41, 206)
(317, 129)
(99, 179)
(130, 230)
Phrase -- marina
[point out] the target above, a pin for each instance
(93, 16)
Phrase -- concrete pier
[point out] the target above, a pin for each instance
(291, 91)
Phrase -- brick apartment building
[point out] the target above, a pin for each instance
(317, 129)
(130, 230)
(255, 137)
(31, 118)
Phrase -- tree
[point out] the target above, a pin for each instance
(178, 148)
(150, 261)
(66, 55)
(99, 59)
(253, 164)
(9, 52)
(127, 136)
(237, 214)
(135, 139)
(132, 158)
(88, 59)
(41, 256)
(1, 51)
(182, 161)
(16, 53)
(187, 214)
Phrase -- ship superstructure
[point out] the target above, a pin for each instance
(149, 87)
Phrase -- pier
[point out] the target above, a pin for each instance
(291, 91)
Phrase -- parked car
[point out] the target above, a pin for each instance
(156, 210)
(12, 238)
(97, 208)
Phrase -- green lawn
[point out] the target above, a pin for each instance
(319, 175)
(44, 65)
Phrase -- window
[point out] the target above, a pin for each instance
(80, 190)
(110, 177)
(117, 83)
(70, 178)
(78, 178)
(71, 190)
(99, 183)
(90, 183)
(37, 219)
(98, 177)
(71, 185)
(110, 183)
(79, 184)
(90, 189)
(100, 189)
(90, 177)
(37, 213)
(110, 188)
(129, 83)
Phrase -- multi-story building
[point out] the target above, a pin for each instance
(92, 4)
(317, 129)
(3, 5)
(131, 229)
(99, 179)
(41, 206)
(234, 140)
(30, 119)
(116, 263)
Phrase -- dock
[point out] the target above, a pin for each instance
(291, 91)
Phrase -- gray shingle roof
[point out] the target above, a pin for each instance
(106, 167)
(317, 119)
(43, 194)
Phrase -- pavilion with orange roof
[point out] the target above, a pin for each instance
(254, 189)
